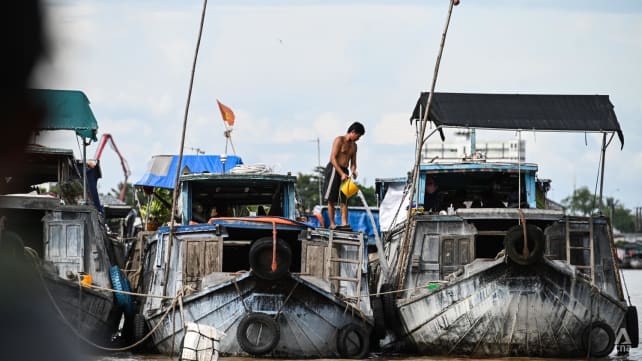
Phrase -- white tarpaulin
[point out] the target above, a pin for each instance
(390, 205)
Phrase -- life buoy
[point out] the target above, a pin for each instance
(514, 244)
(353, 341)
(258, 333)
(598, 339)
(120, 283)
(379, 330)
(632, 326)
(261, 258)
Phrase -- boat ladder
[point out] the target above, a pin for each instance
(574, 232)
(337, 257)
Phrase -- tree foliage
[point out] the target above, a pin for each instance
(583, 202)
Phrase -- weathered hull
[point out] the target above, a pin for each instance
(309, 318)
(507, 310)
(90, 313)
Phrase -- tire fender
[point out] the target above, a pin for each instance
(593, 335)
(514, 244)
(261, 258)
(258, 333)
(353, 341)
(632, 326)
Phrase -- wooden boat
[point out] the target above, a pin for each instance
(488, 270)
(275, 287)
(64, 234)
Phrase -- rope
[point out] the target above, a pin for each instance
(251, 169)
(273, 247)
(91, 343)
(127, 292)
(522, 218)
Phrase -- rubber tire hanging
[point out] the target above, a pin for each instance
(589, 333)
(353, 341)
(514, 244)
(261, 258)
(255, 324)
(632, 326)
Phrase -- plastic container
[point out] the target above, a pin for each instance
(349, 188)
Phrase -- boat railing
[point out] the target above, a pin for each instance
(337, 257)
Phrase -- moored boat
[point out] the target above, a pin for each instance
(242, 264)
(481, 267)
(63, 234)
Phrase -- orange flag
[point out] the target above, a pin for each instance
(226, 113)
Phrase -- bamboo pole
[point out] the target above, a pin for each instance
(406, 243)
(180, 155)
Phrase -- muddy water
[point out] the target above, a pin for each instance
(633, 280)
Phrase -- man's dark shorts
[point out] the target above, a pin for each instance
(332, 184)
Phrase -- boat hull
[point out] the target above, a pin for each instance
(90, 313)
(508, 310)
(309, 318)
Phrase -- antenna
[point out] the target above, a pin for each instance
(197, 150)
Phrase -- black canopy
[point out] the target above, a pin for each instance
(590, 113)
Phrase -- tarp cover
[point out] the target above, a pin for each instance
(591, 113)
(161, 169)
(66, 109)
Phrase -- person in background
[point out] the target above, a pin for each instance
(342, 157)
(432, 199)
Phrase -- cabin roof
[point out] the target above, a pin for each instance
(466, 167)
(584, 113)
(66, 109)
(237, 179)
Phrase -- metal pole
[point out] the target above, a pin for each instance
(602, 168)
(319, 169)
(84, 172)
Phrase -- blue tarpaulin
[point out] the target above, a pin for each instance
(357, 218)
(161, 170)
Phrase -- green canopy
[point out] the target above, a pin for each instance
(67, 109)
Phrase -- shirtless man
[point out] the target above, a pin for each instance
(342, 157)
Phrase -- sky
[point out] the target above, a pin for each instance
(297, 71)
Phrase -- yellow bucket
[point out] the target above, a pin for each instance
(349, 188)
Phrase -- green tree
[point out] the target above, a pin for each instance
(581, 202)
(129, 193)
(621, 218)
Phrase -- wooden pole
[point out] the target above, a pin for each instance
(406, 243)
(180, 154)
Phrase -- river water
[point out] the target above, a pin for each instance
(633, 280)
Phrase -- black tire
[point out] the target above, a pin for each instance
(389, 302)
(632, 326)
(261, 258)
(601, 338)
(379, 330)
(514, 244)
(140, 328)
(252, 326)
(353, 341)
